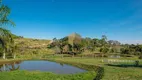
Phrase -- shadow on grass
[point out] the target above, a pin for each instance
(124, 65)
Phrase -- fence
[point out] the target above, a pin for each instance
(115, 61)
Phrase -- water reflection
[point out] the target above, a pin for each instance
(41, 65)
(62, 64)
(10, 66)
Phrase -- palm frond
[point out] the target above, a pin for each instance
(4, 13)
(4, 32)
(5, 37)
(2, 42)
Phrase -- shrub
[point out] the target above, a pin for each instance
(140, 57)
(35, 52)
(136, 63)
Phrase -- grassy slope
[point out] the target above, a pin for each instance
(27, 47)
(32, 42)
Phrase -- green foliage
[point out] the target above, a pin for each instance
(104, 50)
(67, 48)
(74, 39)
(140, 57)
(57, 50)
(131, 49)
(125, 51)
(75, 44)
(6, 39)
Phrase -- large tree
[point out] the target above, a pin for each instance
(75, 41)
(5, 35)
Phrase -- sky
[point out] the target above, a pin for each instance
(45, 19)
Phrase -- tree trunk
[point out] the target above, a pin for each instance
(14, 56)
(3, 55)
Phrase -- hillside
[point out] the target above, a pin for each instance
(30, 46)
(32, 43)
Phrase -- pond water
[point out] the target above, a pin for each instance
(41, 65)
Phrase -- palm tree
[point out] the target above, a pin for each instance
(104, 45)
(5, 40)
(5, 35)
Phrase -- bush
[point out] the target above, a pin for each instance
(35, 52)
(140, 57)
(136, 63)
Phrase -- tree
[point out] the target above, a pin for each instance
(67, 48)
(103, 41)
(55, 40)
(113, 50)
(104, 50)
(114, 43)
(96, 42)
(88, 44)
(75, 41)
(5, 40)
(5, 35)
(14, 49)
(125, 51)
(57, 50)
(114, 46)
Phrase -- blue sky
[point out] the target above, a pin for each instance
(45, 19)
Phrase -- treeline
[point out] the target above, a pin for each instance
(75, 44)
(131, 49)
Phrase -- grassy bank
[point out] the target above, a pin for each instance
(37, 75)
(110, 72)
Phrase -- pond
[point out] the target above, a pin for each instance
(41, 65)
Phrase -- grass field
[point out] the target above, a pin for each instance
(110, 72)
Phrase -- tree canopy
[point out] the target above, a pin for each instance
(6, 39)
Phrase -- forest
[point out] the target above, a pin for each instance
(75, 44)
